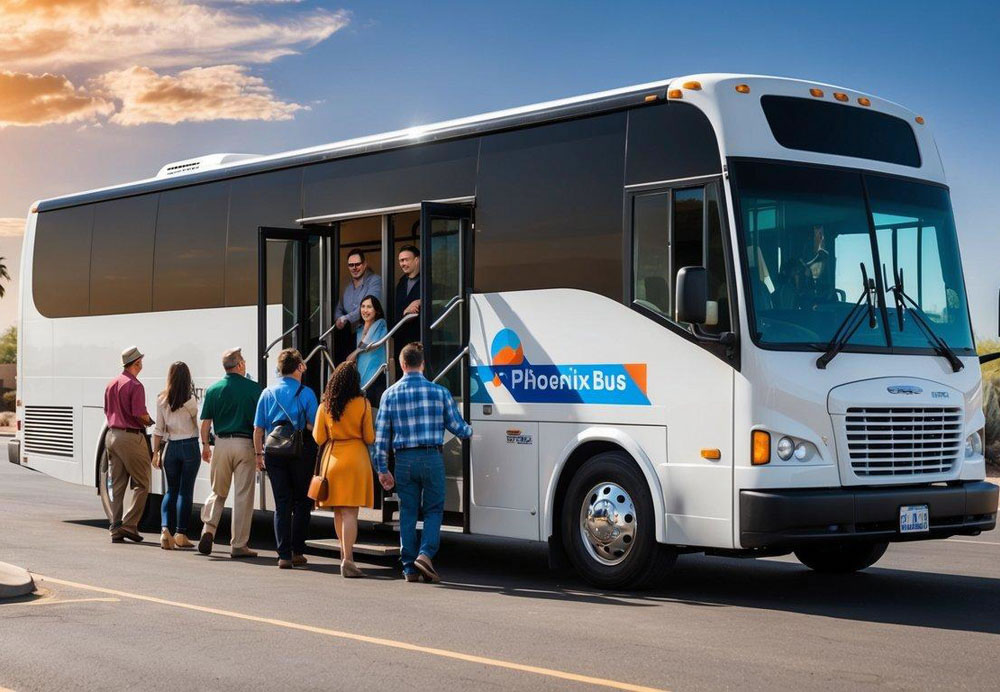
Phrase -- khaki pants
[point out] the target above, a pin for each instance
(232, 463)
(129, 464)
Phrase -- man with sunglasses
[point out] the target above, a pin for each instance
(364, 282)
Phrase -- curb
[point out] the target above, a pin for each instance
(15, 581)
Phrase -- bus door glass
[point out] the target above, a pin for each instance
(444, 327)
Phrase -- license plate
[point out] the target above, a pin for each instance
(914, 519)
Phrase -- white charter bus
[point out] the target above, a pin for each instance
(717, 313)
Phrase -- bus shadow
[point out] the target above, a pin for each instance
(876, 595)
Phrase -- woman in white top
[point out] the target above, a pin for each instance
(177, 429)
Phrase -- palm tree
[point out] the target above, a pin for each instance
(3, 275)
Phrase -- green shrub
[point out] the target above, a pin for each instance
(8, 401)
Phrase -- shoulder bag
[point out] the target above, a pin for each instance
(285, 439)
(319, 486)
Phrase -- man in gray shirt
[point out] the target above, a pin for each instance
(364, 282)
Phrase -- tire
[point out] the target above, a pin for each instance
(608, 525)
(841, 558)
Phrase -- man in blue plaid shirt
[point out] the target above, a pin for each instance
(414, 414)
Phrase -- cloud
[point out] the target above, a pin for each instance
(223, 92)
(11, 227)
(27, 99)
(156, 33)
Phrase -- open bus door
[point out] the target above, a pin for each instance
(445, 287)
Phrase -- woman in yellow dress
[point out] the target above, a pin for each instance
(344, 419)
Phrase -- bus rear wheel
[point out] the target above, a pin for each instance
(841, 558)
(608, 525)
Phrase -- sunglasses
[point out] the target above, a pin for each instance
(354, 265)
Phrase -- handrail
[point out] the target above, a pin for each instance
(381, 369)
(377, 344)
(267, 351)
(326, 354)
(327, 332)
(461, 354)
(452, 304)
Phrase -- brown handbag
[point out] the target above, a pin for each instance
(319, 486)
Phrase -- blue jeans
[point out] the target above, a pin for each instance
(420, 486)
(290, 480)
(180, 463)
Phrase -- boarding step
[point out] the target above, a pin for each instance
(377, 549)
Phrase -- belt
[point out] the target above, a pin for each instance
(419, 447)
(226, 436)
(138, 431)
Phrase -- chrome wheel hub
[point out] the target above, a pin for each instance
(608, 523)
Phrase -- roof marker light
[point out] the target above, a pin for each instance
(818, 93)
(675, 94)
(693, 86)
(743, 88)
(864, 101)
(651, 97)
(919, 119)
(840, 96)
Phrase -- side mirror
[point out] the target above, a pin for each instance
(692, 295)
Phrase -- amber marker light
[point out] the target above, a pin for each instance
(761, 443)
(650, 97)
(818, 93)
(919, 119)
(864, 101)
(675, 94)
(713, 454)
(743, 88)
(34, 207)
(693, 86)
(840, 96)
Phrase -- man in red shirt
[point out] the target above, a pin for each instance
(129, 461)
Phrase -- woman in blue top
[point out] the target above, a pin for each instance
(368, 363)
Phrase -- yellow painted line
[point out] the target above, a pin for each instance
(378, 641)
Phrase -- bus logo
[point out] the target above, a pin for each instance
(527, 382)
(904, 389)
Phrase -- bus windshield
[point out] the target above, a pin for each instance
(807, 231)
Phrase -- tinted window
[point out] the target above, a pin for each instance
(271, 199)
(668, 141)
(190, 248)
(549, 207)
(829, 128)
(403, 176)
(61, 266)
(651, 250)
(121, 259)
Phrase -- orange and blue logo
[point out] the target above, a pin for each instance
(612, 383)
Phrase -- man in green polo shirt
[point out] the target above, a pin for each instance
(229, 406)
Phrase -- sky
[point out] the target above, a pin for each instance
(99, 92)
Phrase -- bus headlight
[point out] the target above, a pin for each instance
(973, 445)
(785, 449)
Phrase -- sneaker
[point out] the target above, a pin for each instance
(349, 570)
(205, 543)
(411, 576)
(284, 564)
(166, 540)
(426, 569)
(181, 540)
(243, 552)
(299, 560)
(131, 534)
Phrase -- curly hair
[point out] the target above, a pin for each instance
(344, 384)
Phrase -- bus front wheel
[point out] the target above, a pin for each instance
(608, 525)
(841, 558)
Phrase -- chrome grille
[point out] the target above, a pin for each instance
(48, 430)
(901, 441)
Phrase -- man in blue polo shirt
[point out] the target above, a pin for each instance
(288, 400)
(414, 413)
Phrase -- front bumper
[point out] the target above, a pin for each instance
(789, 518)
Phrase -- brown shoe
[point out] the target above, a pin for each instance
(284, 564)
(131, 534)
(243, 552)
(116, 537)
(349, 570)
(426, 569)
(166, 540)
(411, 577)
(205, 543)
(181, 541)
(299, 560)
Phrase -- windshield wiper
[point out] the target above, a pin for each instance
(921, 320)
(851, 322)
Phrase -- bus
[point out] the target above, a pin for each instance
(716, 313)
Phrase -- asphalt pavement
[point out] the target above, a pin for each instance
(132, 616)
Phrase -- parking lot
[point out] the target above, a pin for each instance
(134, 616)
